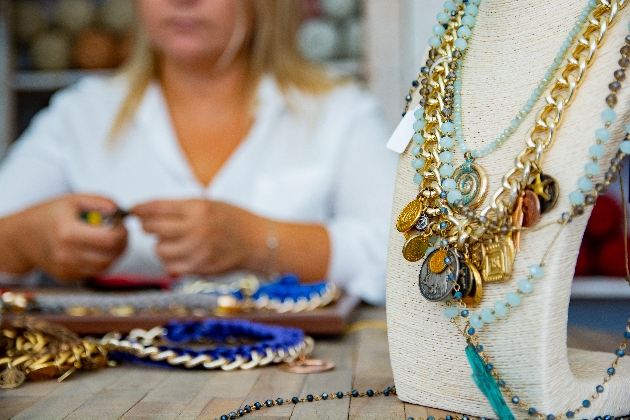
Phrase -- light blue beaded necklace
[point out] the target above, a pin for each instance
(527, 108)
(468, 174)
(602, 135)
(447, 127)
(475, 321)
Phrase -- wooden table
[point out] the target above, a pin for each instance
(143, 392)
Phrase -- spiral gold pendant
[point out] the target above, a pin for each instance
(472, 182)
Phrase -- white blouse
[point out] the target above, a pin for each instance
(306, 159)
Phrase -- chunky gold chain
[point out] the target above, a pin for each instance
(528, 163)
(542, 135)
(143, 344)
(39, 354)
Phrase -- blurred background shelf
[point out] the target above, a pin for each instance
(380, 43)
(38, 80)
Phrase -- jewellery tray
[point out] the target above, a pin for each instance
(329, 320)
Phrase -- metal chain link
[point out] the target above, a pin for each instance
(142, 344)
(542, 135)
(37, 356)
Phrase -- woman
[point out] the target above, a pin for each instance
(230, 151)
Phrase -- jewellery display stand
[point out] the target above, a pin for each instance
(512, 45)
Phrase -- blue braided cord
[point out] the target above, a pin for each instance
(289, 287)
(268, 336)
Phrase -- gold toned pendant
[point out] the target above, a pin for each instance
(415, 247)
(409, 216)
(436, 262)
(472, 182)
(498, 260)
(477, 254)
(436, 286)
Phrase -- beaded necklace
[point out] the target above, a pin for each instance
(484, 371)
(465, 32)
(491, 235)
(442, 270)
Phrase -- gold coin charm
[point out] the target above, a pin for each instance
(472, 182)
(437, 263)
(436, 286)
(498, 260)
(415, 248)
(11, 378)
(409, 216)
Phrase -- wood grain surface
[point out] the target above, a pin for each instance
(144, 392)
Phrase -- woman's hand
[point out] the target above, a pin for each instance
(51, 236)
(204, 237)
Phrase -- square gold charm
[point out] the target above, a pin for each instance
(497, 261)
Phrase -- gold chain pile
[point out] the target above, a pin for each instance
(40, 351)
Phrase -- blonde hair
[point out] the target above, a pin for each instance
(271, 48)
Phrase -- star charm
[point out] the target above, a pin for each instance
(539, 187)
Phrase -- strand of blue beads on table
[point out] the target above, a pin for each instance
(247, 409)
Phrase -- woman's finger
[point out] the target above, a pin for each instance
(174, 209)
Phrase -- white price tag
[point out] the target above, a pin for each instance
(402, 134)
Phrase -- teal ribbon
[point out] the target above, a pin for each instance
(487, 384)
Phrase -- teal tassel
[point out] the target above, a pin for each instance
(487, 384)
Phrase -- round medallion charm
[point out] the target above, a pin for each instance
(415, 248)
(11, 378)
(530, 208)
(472, 182)
(409, 216)
(436, 286)
(469, 274)
(436, 261)
(551, 193)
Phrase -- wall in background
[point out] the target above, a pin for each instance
(394, 37)
(396, 40)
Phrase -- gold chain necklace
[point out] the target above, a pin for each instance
(485, 243)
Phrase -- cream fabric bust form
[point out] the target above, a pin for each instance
(512, 45)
